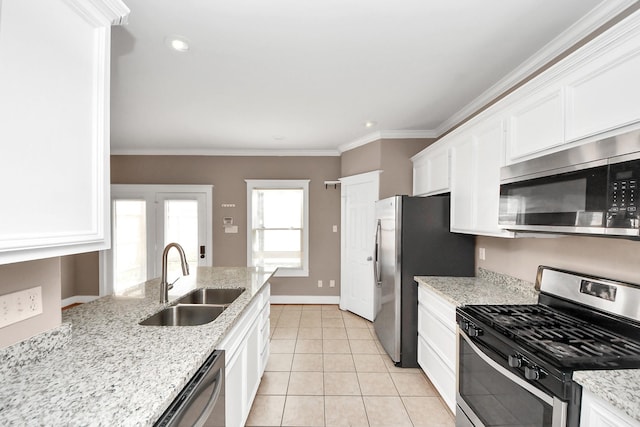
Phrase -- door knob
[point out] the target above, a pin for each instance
(369, 258)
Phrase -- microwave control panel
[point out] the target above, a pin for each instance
(623, 205)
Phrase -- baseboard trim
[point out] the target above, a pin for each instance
(78, 299)
(304, 299)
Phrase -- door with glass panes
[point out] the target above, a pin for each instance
(145, 218)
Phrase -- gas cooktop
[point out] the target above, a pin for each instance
(560, 338)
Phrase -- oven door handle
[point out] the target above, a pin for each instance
(559, 407)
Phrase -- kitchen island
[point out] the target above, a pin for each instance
(114, 371)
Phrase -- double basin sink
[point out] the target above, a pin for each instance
(198, 307)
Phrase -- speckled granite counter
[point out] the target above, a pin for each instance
(487, 288)
(620, 388)
(114, 372)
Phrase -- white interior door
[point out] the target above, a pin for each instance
(357, 289)
(145, 218)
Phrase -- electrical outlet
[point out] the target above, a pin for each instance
(482, 254)
(332, 283)
(319, 283)
(20, 305)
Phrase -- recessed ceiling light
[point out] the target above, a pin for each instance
(178, 43)
(369, 124)
(278, 137)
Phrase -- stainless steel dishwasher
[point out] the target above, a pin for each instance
(201, 402)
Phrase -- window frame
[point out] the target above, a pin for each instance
(281, 184)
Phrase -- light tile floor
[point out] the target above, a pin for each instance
(327, 368)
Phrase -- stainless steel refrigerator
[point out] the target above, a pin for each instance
(412, 239)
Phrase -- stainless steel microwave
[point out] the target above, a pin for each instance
(588, 189)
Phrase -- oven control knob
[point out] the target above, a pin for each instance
(515, 361)
(474, 331)
(532, 373)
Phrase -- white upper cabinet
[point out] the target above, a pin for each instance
(463, 172)
(535, 123)
(603, 92)
(54, 104)
(431, 170)
(476, 158)
(592, 93)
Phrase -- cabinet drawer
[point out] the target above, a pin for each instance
(438, 336)
(443, 378)
(438, 307)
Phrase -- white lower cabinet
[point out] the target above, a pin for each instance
(245, 358)
(437, 343)
(596, 412)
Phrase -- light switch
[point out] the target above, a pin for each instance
(335, 228)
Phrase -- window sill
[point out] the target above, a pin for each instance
(289, 272)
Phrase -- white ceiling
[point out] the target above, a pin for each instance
(305, 75)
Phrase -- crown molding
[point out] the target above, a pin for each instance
(387, 134)
(223, 152)
(101, 12)
(600, 15)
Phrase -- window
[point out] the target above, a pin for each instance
(278, 225)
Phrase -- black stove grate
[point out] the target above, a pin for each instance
(566, 340)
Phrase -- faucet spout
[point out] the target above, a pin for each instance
(164, 286)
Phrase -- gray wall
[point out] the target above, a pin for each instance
(227, 175)
(392, 157)
(80, 274)
(24, 275)
(605, 257)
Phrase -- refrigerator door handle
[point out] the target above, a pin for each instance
(376, 264)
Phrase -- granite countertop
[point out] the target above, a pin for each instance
(487, 288)
(618, 387)
(114, 371)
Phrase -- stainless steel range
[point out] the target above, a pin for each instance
(516, 361)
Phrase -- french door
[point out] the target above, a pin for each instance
(145, 218)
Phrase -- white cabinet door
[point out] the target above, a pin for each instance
(476, 158)
(462, 183)
(489, 159)
(437, 334)
(603, 93)
(536, 123)
(54, 156)
(431, 170)
(244, 352)
(234, 388)
(595, 412)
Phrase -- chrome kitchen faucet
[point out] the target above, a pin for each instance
(164, 286)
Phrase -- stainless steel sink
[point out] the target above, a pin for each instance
(222, 297)
(184, 315)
